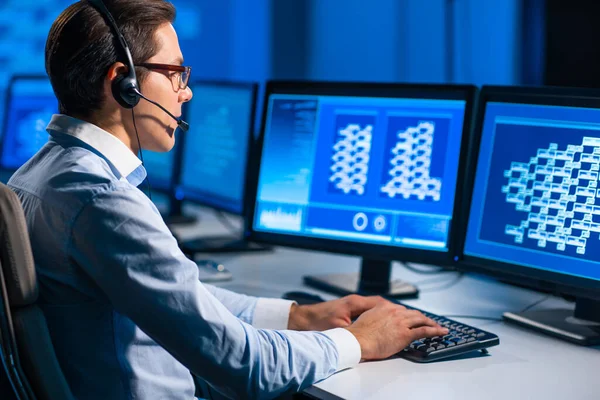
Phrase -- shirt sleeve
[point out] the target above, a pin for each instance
(348, 348)
(240, 305)
(125, 247)
(268, 313)
(260, 312)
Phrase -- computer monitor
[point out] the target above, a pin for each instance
(30, 104)
(162, 169)
(534, 217)
(214, 156)
(364, 169)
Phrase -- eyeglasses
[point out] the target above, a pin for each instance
(183, 75)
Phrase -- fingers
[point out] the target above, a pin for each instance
(427, 331)
(359, 304)
(414, 319)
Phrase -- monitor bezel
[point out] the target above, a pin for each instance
(467, 93)
(178, 173)
(551, 281)
(8, 96)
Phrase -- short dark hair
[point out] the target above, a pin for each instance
(81, 47)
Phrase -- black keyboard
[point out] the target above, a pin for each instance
(461, 339)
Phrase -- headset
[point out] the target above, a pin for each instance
(125, 88)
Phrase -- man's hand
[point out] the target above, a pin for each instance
(337, 313)
(388, 328)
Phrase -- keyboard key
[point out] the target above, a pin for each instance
(451, 344)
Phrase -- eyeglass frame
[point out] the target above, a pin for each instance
(171, 67)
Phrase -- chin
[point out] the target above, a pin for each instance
(163, 145)
(167, 145)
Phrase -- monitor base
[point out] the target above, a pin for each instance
(374, 279)
(574, 326)
(345, 284)
(180, 219)
(221, 244)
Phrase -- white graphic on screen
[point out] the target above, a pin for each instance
(281, 219)
(560, 191)
(351, 159)
(411, 164)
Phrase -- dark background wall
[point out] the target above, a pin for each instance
(461, 41)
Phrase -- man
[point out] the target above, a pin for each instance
(126, 312)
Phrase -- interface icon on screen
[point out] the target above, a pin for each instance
(557, 191)
(411, 164)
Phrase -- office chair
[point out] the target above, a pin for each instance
(26, 350)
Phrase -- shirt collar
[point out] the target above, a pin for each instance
(109, 146)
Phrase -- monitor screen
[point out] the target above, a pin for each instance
(30, 106)
(536, 198)
(159, 167)
(366, 169)
(216, 147)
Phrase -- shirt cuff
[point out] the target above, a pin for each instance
(272, 314)
(348, 348)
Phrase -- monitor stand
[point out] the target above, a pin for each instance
(176, 215)
(374, 280)
(581, 326)
(180, 219)
(221, 244)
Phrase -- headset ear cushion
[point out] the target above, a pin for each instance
(122, 91)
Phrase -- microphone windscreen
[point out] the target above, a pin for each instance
(184, 126)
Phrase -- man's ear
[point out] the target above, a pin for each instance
(122, 87)
(115, 70)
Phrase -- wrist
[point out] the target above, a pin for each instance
(299, 320)
(364, 352)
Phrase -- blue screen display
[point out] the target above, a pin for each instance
(159, 167)
(536, 199)
(216, 146)
(31, 104)
(371, 170)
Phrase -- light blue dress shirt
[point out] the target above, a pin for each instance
(127, 314)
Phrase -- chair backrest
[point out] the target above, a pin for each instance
(6, 384)
(32, 366)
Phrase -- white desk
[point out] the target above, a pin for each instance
(526, 365)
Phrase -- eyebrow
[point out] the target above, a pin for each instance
(178, 61)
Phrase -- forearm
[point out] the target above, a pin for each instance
(240, 305)
(260, 312)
